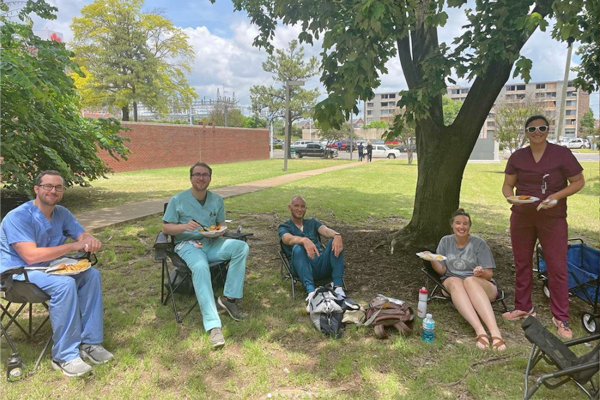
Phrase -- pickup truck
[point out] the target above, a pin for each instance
(316, 150)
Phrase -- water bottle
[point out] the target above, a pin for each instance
(428, 325)
(14, 368)
(422, 306)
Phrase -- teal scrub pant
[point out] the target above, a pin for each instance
(321, 267)
(198, 259)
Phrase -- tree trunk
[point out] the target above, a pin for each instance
(125, 112)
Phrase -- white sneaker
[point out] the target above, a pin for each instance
(95, 353)
(308, 298)
(72, 368)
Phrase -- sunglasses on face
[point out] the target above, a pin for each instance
(531, 129)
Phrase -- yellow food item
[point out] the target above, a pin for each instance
(214, 228)
(439, 257)
(78, 266)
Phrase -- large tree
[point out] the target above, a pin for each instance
(132, 57)
(360, 37)
(41, 122)
(286, 65)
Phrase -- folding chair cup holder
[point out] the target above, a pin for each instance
(438, 292)
(569, 367)
(285, 272)
(178, 280)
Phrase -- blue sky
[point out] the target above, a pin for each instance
(226, 60)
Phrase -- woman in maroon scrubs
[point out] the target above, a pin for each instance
(551, 173)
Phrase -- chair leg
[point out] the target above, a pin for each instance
(37, 364)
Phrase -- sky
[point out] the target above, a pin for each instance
(227, 61)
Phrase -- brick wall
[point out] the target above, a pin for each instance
(166, 145)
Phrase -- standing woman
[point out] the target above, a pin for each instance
(551, 173)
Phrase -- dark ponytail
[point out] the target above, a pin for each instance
(460, 211)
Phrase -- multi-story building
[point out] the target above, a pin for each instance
(547, 94)
(383, 105)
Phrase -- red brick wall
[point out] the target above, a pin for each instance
(166, 145)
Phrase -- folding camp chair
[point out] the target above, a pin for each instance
(180, 279)
(23, 294)
(285, 272)
(548, 347)
(438, 292)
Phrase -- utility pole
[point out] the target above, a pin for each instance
(563, 96)
(288, 121)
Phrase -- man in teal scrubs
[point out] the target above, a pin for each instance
(186, 215)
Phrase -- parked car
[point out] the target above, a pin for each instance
(578, 143)
(381, 150)
(333, 144)
(564, 141)
(277, 141)
(300, 143)
(316, 150)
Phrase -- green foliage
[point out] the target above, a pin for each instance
(254, 122)
(286, 65)
(586, 127)
(344, 132)
(132, 57)
(41, 122)
(451, 109)
(234, 117)
(379, 124)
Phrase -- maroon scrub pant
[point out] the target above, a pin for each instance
(553, 236)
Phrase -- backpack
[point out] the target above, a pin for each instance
(384, 311)
(326, 311)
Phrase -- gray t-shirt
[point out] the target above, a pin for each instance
(462, 262)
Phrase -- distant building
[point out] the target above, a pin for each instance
(383, 105)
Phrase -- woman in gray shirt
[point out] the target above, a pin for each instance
(467, 275)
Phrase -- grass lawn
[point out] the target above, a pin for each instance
(129, 187)
(277, 353)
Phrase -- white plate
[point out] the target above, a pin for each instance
(431, 256)
(515, 200)
(54, 265)
(212, 234)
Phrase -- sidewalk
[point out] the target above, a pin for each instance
(98, 219)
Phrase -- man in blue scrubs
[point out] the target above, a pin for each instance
(34, 234)
(187, 213)
(301, 241)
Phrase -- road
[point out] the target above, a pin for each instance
(344, 155)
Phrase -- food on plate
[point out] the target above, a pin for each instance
(521, 197)
(431, 257)
(214, 228)
(78, 266)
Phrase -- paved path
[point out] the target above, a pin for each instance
(97, 219)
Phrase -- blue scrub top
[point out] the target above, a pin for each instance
(27, 223)
(184, 207)
(311, 230)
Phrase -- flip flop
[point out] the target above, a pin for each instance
(497, 342)
(485, 342)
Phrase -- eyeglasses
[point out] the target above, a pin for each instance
(49, 187)
(531, 129)
(199, 175)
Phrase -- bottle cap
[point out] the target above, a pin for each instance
(423, 290)
(428, 316)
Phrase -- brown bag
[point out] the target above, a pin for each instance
(383, 312)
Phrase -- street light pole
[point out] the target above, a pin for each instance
(288, 121)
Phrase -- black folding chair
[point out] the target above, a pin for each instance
(22, 294)
(285, 272)
(439, 292)
(179, 280)
(570, 367)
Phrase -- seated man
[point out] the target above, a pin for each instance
(34, 234)
(301, 242)
(187, 213)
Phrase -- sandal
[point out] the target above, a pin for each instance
(480, 340)
(497, 342)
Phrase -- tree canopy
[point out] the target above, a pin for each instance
(132, 57)
(510, 120)
(286, 65)
(360, 37)
(41, 123)
(586, 126)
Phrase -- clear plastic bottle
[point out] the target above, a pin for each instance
(422, 305)
(428, 326)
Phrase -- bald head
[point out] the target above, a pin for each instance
(297, 197)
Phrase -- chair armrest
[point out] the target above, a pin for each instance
(12, 271)
(238, 235)
(161, 245)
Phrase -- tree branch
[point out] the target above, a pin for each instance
(410, 73)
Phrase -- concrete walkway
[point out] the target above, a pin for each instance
(97, 219)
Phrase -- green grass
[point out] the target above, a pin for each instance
(277, 351)
(130, 187)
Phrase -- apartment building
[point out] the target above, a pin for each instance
(383, 105)
(549, 94)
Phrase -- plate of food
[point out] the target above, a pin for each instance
(69, 266)
(213, 231)
(522, 199)
(431, 256)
